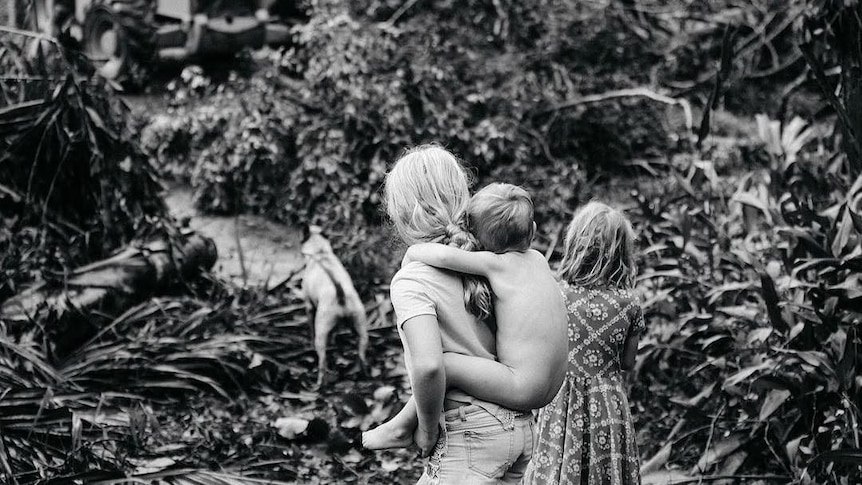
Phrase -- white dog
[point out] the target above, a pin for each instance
(329, 297)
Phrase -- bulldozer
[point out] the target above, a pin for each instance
(124, 38)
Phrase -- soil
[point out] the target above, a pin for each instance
(252, 251)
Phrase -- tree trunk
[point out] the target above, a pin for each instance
(70, 311)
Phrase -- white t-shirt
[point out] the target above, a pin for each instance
(419, 289)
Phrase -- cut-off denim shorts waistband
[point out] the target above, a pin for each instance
(504, 416)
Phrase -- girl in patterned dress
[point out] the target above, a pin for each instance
(586, 435)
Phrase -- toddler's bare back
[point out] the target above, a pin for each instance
(531, 325)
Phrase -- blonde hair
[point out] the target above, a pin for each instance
(599, 248)
(427, 193)
(501, 217)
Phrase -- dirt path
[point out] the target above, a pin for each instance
(267, 252)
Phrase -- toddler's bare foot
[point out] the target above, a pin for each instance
(387, 435)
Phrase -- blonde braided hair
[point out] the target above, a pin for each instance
(427, 194)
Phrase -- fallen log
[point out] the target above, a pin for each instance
(69, 310)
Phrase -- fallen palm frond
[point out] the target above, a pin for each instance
(75, 183)
(66, 420)
(15, 357)
(45, 432)
(104, 286)
(185, 342)
(181, 476)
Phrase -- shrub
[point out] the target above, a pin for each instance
(752, 288)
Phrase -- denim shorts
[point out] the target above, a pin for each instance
(481, 443)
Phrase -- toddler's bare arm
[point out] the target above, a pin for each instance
(480, 263)
(490, 381)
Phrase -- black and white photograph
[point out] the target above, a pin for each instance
(431, 242)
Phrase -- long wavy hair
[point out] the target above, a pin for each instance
(427, 194)
(599, 248)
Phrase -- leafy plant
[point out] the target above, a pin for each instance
(827, 37)
(217, 356)
(752, 286)
(75, 184)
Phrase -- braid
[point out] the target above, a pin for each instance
(477, 290)
(427, 194)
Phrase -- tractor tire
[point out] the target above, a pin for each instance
(119, 38)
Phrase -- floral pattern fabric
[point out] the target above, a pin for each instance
(586, 435)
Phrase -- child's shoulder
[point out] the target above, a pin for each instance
(531, 256)
(623, 295)
(535, 254)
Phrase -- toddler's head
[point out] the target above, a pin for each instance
(501, 218)
(599, 248)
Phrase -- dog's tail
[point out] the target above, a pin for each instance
(339, 290)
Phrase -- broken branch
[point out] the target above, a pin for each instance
(627, 93)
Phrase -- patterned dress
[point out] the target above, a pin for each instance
(585, 435)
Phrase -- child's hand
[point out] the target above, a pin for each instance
(414, 252)
(407, 258)
(418, 252)
(421, 252)
(426, 440)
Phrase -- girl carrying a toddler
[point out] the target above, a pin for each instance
(487, 432)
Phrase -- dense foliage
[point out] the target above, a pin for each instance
(507, 86)
(830, 37)
(204, 388)
(74, 184)
(524, 91)
(750, 266)
(752, 287)
(740, 352)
